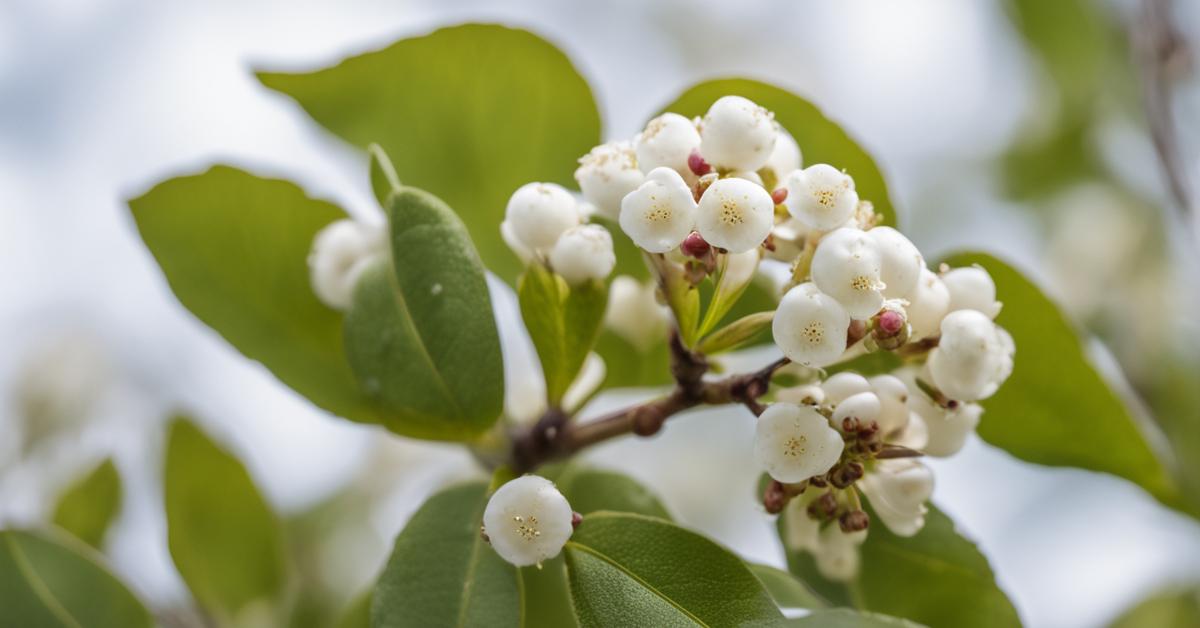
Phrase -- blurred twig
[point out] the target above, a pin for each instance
(1162, 56)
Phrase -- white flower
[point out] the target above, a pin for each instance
(893, 400)
(583, 253)
(898, 490)
(667, 142)
(847, 267)
(839, 386)
(527, 521)
(340, 253)
(786, 156)
(802, 531)
(806, 395)
(810, 326)
(927, 305)
(863, 406)
(946, 430)
(973, 357)
(735, 214)
(523, 252)
(748, 175)
(972, 288)
(634, 312)
(607, 174)
(660, 213)
(538, 213)
(821, 196)
(794, 443)
(902, 262)
(836, 553)
(737, 134)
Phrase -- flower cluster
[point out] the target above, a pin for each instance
(725, 197)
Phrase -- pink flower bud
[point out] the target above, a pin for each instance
(697, 164)
(695, 245)
(779, 195)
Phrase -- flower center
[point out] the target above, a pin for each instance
(813, 332)
(731, 214)
(861, 283)
(527, 530)
(794, 446)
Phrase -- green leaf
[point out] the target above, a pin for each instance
(1056, 409)
(54, 580)
(1168, 609)
(681, 296)
(563, 322)
(469, 113)
(592, 490)
(233, 248)
(627, 366)
(357, 614)
(547, 599)
(442, 573)
(846, 618)
(384, 180)
(936, 577)
(421, 335)
(224, 538)
(787, 590)
(736, 334)
(628, 570)
(88, 507)
(821, 140)
(729, 288)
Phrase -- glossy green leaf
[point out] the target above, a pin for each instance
(591, 490)
(233, 248)
(730, 285)
(628, 570)
(421, 335)
(224, 538)
(937, 578)
(442, 573)
(88, 507)
(547, 596)
(55, 580)
(563, 322)
(821, 140)
(681, 296)
(786, 589)
(469, 113)
(384, 179)
(1056, 409)
(736, 334)
(1168, 609)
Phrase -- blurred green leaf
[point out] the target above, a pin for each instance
(1169, 609)
(591, 490)
(628, 570)
(421, 334)
(224, 538)
(442, 573)
(1075, 57)
(787, 590)
(384, 180)
(736, 334)
(563, 322)
(936, 577)
(88, 507)
(55, 580)
(233, 248)
(821, 140)
(469, 113)
(358, 614)
(1056, 409)
(627, 366)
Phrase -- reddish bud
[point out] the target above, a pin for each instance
(697, 165)
(775, 497)
(854, 521)
(890, 322)
(779, 195)
(695, 245)
(576, 519)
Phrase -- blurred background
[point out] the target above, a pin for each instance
(1033, 129)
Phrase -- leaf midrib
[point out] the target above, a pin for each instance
(39, 586)
(636, 578)
(406, 316)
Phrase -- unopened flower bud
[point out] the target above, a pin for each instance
(821, 196)
(340, 253)
(928, 304)
(528, 521)
(810, 326)
(893, 403)
(902, 262)
(808, 395)
(634, 312)
(898, 490)
(538, 213)
(785, 157)
(668, 141)
(660, 213)
(697, 165)
(973, 357)
(779, 196)
(864, 407)
(890, 329)
(794, 443)
(841, 386)
(583, 253)
(837, 554)
(846, 266)
(607, 174)
(695, 246)
(972, 288)
(945, 430)
(735, 214)
(854, 521)
(737, 134)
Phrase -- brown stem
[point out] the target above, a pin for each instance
(554, 437)
(1162, 54)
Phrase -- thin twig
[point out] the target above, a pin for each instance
(1160, 50)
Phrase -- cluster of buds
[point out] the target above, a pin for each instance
(543, 221)
(340, 253)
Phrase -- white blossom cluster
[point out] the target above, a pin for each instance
(544, 221)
